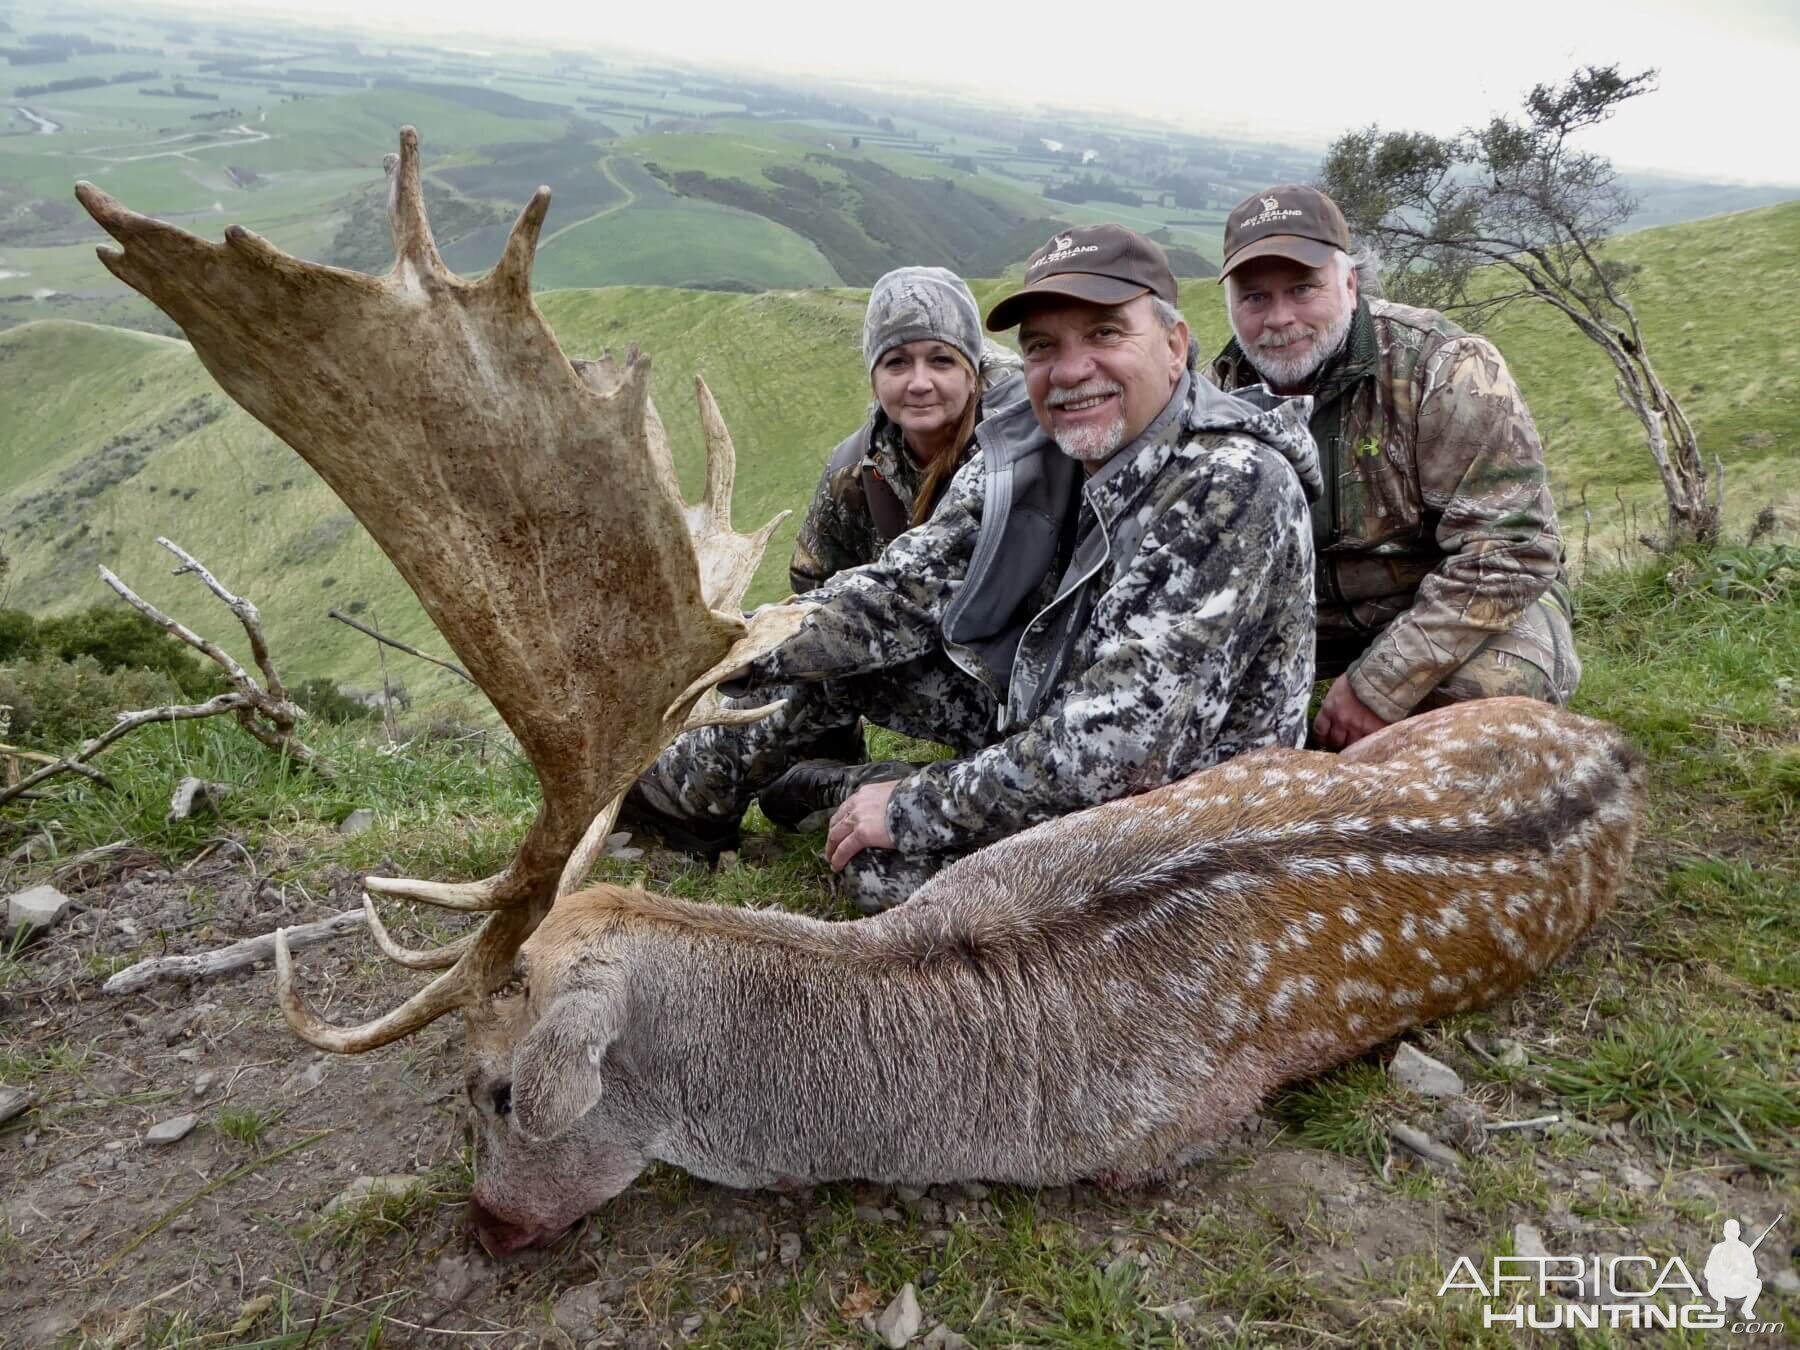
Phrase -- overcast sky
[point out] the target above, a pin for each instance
(1725, 109)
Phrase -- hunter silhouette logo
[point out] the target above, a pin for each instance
(1731, 1272)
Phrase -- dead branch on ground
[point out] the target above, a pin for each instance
(266, 713)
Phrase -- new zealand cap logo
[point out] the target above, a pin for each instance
(1270, 204)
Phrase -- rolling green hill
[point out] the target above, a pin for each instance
(113, 437)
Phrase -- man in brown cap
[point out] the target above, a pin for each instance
(1114, 593)
(1440, 568)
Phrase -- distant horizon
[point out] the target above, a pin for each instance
(1739, 58)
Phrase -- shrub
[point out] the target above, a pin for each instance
(120, 639)
(58, 704)
(323, 699)
(18, 635)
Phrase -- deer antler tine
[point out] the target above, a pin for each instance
(513, 273)
(469, 897)
(721, 455)
(445, 994)
(710, 712)
(406, 208)
(581, 861)
(413, 959)
(252, 244)
(151, 245)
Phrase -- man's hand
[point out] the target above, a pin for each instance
(861, 822)
(1344, 719)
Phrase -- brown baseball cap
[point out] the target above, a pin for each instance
(1102, 264)
(1289, 221)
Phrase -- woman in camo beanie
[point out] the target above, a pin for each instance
(931, 372)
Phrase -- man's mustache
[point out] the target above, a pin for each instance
(1092, 389)
(1274, 341)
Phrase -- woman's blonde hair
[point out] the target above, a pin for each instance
(938, 472)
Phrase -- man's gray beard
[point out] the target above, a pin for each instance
(1092, 445)
(1296, 371)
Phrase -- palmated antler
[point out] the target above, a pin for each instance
(530, 503)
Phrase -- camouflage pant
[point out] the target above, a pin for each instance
(715, 772)
(1535, 658)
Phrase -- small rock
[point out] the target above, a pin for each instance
(972, 1190)
(1528, 1241)
(168, 1131)
(941, 1337)
(789, 1248)
(1635, 1178)
(694, 1321)
(938, 1237)
(204, 1080)
(187, 1021)
(1418, 1072)
(355, 823)
(727, 860)
(1509, 1053)
(188, 1054)
(908, 1195)
(195, 796)
(303, 1082)
(373, 1188)
(869, 1214)
(35, 910)
(578, 1310)
(1183, 1313)
(13, 1102)
(902, 1319)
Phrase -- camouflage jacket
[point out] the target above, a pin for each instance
(1436, 531)
(1170, 629)
(841, 529)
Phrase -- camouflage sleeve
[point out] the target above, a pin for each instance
(1174, 637)
(1481, 469)
(885, 612)
(826, 544)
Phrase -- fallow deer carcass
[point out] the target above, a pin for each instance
(1102, 995)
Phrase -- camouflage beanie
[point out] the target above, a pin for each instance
(912, 304)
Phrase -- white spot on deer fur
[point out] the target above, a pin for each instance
(1259, 963)
(1402, 997)
(1294, 936)
(1426, 955)
(1349, 915)
(1371, 942)
(1441, 985)
(1312, 867)
(1315, 920)
(1282, 1003)
(1351, 990)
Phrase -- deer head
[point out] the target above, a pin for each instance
(530, 502)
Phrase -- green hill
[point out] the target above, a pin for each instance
(113, 437)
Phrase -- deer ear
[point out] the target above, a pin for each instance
(558, 1068)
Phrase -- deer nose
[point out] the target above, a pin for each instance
(501, 1096)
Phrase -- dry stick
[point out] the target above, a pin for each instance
(236, 1174)
(235, 957)
(38, 757)
(398, 645)
(273, 704)
(128, 721)
(387, 692)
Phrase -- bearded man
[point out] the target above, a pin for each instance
(1440, 568)
(1114, 592)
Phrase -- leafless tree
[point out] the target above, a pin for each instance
(1513, 211)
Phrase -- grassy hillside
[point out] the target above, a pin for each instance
(114, 438)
